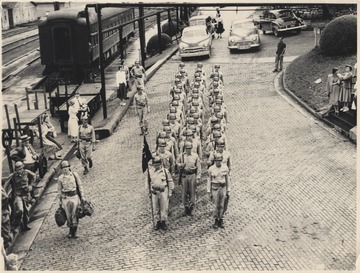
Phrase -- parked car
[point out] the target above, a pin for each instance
(279, 21)
(195, 41)
(203, 20)
(243, 35)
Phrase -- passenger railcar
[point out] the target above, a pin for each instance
(68, 42)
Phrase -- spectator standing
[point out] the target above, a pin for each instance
(346, 90)
(121, 84)
(333, 89)
(141, 109)
(279, 58)
(69, 188)
(139, 74)
(219, 25)
(73, 125)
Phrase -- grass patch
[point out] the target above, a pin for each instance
(302, 73)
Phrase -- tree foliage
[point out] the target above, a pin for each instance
(153, 44)
(339, 37)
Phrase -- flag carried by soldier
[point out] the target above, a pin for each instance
(146, 155)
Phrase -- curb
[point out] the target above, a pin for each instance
(307, 107)
(108, 129)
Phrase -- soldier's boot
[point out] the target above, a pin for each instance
(90, 162)
(25, 226)
(74, 230)
(86, 170)
(70, 233)
(141, 131)
(221, 223)
(158, 225)
(146, 131)
(164, 225)
(215, 225)
(186, 212)
(191, 211)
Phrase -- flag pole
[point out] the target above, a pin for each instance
(150, 195)
(145, 164)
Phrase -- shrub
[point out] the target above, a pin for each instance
(339, 36)
(153, 44)
(169, 31)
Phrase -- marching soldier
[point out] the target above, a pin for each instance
(141, 109)
(161, 188)
(139, 74)
(175, 126)
(190, 173)
(218, 188)
(220, 149)
(21, 182)
(86, 143)
(167, 157)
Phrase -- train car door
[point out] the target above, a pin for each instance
(62, 44)
(11, 18)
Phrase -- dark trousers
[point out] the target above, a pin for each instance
(121, 93)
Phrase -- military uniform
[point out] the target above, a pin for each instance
(25, 153)
(86, 141)
(21, 187)
(218, 187)
(141, 104)
(190, 167)
(161, 187)
(138, 73)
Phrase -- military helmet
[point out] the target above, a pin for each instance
(195, 90)
(197, 79)
(220, 97)
(182, 71)
(173, 110)
(162, 134)
(195, 103)
(167, 129)
(177, 80)
(221, 142)
(217, 108)
(165, 122)
(172, 116)
(199, 65)
(219, 115)
(213, 119)
(197, 84)
(188, 132)
(217, 66)
(197, 74)
(196, 115)
(178, 75)
(175, 103)
(195, 95)
(190, 120)
(192, 127)
(176, 97)
(19, 165)
(218, 101)
(216, 134)
(218, 157)
(161, 142)
(216, 91)
(179, 86)
(188, 145)
(192, 110)
(64, 164)
(217, 126)
(156, 160)
(181, 64)
(216, 84)
(198, 69)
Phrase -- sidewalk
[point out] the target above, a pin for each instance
(103, 128)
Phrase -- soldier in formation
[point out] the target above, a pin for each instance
(187, 139)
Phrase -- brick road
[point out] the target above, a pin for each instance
(292, 206)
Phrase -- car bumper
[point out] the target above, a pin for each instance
(243, 47)
(291, 28)
(193, 53)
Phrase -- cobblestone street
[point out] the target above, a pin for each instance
(292, 204)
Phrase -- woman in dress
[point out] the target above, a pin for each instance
(70, 195)
(73, 127)
(219, 25)
(333, 89)
(346, 90)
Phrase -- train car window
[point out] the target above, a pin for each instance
(62, 44)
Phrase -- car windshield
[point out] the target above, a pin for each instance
(194, 33)
(285, 13)
(243, 25)
(197, 22)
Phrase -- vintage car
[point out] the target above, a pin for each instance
(203, 20)
(279, 21)
(243, 35)
(195, 41)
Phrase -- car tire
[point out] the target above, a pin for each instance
(232, 51)
(298, 31)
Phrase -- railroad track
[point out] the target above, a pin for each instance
(17, 44)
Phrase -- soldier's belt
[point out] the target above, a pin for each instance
(215, 186)
(69, 193)
(190, 172)
(155, 190)
(86, 140)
